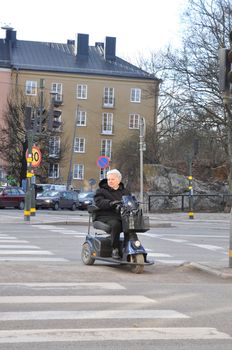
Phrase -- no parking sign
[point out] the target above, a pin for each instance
(103, 161)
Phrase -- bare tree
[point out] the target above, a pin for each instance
(190, 98)
(14, 143)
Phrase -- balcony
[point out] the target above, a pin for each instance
(108, 102)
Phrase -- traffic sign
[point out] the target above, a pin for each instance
(36, 156)
(103, 161)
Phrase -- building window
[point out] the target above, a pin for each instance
(81, 118)
(106, 147)
(103, 173)
(135, 95)
(56, 88)
(53, 171)
(134, 121)
(54, 146)
(78, 171)
(31, 87)
(79, 145)
(82, 92)
(108, 99)
(107, 123)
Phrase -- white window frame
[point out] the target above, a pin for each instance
(107, 123)
(135, 96)
(54, 146)
(79, 145)
(31, 87)
(81, 117)
(78, 171)
(108, 97)
(56, 88)
(54, 171)
(134, 119)
(82, 92)
(106, 148)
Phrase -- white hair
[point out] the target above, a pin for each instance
(116, 172)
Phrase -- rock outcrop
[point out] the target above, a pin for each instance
(165, 189)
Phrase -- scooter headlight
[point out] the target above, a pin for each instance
(137, 244)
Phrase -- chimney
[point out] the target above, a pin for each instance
(110, 46)
(82, 45)
(10, 35)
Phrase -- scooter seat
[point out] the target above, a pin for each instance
(99, 225)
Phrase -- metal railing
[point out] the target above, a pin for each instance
(224, 198)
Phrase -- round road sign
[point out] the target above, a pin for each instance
(103, 161)
(36, 156)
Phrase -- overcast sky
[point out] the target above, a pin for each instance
(140, 26)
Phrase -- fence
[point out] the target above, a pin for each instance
(223, 196)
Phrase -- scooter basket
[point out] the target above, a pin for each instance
(135, 223)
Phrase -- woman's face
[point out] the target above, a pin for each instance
(113, 181)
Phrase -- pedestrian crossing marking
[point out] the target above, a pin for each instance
(68, 285)
(103, 334)
(28, 299)
(90, 315)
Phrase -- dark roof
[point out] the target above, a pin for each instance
(57, 57)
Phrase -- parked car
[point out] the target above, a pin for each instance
(12, 197)
(58, 200)
(49, 187)
(85, 199)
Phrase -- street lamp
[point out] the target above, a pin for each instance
(142, 146)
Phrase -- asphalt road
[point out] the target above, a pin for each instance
(50, 300)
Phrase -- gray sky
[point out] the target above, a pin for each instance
(140, 26)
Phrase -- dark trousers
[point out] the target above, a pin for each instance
(116, 228)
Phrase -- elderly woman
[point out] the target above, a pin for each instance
(107, 197)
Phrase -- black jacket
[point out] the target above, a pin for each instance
(104, 195)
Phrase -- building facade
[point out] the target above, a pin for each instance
(99, 98)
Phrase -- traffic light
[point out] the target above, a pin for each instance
(54, 119)
(28, 122)
(225, 74)
(40, 120)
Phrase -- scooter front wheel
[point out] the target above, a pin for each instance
(86, 255)
(139, 259)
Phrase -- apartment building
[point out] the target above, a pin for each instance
(99, 96)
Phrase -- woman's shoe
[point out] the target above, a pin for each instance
(115, 254)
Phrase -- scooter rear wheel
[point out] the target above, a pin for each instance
(86, 255)
(139, 259)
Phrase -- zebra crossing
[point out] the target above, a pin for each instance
(81, 304)
(14, 249)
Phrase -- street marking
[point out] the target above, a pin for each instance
(206, 246)
(33, 259)
(90, 315)
(18, 246)
(175, 240)
(159, 255)
(25, 252)
(172, 262)
(40, 299)
(9, 240)
(103, 334)
(68, 285)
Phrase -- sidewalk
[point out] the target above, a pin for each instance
(156, 220)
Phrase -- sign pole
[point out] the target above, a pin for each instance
(27, 209)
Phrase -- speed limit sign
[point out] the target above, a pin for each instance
(36, 156)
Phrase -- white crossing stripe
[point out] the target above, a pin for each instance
(172, 262)
(9, 240)
(101, 334)
(159, 255)
(90, 315)
(18, 246)
(207, 246)
(68, 285)
(10, 258)
(75, 299)
(25, 252)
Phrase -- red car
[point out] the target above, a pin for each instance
(12, 197)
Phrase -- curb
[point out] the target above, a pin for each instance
(211, 270)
